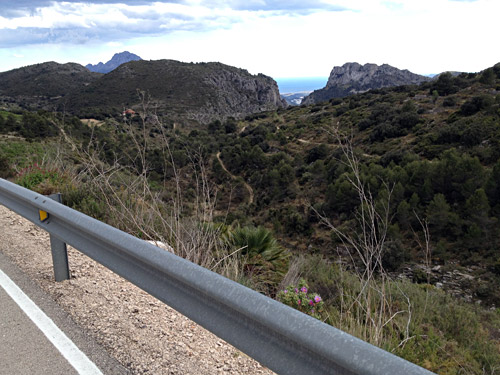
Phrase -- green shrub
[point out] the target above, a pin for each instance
(5, 169)
(82, 199)
(42, 180)
(450, 101)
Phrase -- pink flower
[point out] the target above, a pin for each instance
(311, 302)
(317, 299)
(303, 289)
(298, 302)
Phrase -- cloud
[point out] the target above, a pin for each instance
(19, 8)
(280, 6)
(80, 23)
(30, 35)
(393, 5)
(111, 33)
(32, 22)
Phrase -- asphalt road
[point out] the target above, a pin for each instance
(26, 350)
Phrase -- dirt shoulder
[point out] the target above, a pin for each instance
(142, 333)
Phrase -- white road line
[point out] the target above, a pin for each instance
(68, 349)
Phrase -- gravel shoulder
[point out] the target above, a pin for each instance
(143, 334)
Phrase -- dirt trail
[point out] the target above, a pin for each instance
(308, 142)
(329, 145)
(142, 333)
(247, 186)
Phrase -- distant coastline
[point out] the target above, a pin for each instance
(301, 84)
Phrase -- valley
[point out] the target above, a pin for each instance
(401, 182)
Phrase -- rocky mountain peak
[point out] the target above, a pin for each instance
(352, 78)
(117, 60)
(372, 76)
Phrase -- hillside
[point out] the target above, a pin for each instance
(202, 92)
(43, 85)
(427, 155)
(353, 78)
(198, 93)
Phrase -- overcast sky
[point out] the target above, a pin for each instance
(280, 38)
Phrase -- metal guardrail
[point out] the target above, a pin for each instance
(279, 337)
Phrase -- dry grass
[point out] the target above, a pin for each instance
(90, 122)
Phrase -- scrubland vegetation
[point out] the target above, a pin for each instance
(356, 202)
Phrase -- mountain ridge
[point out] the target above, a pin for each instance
(200, 92)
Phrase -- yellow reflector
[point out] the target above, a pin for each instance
(43, 215)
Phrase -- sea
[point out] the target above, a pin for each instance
(293, 90)
(301, 84)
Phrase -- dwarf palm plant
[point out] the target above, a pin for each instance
(263, 259)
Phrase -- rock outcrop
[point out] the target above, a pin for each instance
(238, 93)
(354, 78)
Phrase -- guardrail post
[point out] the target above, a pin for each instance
(59, 251)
